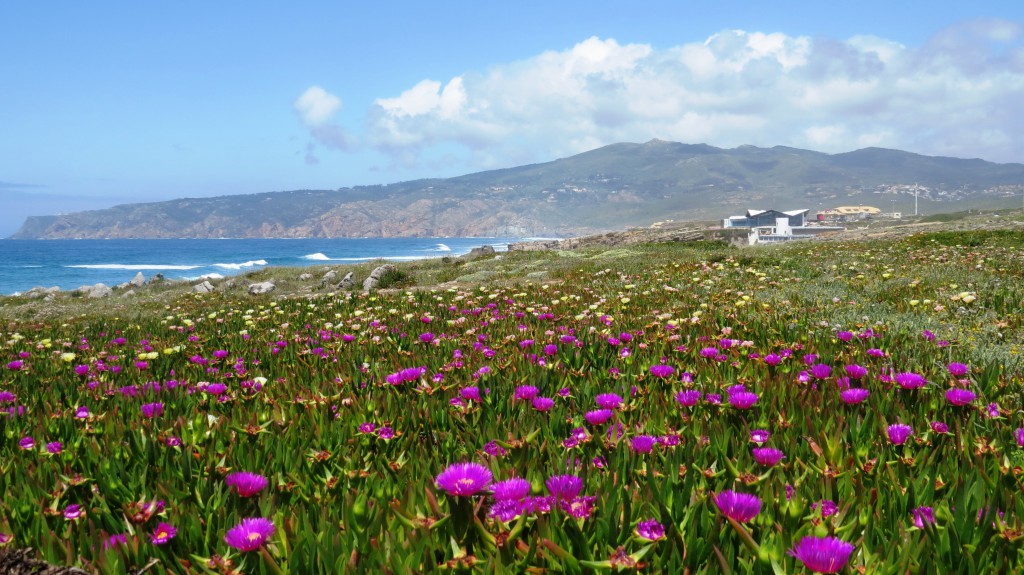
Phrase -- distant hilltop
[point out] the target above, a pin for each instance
(610, 188)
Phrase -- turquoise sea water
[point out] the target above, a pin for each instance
(70, 264)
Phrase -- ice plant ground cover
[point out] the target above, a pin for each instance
(328, 435)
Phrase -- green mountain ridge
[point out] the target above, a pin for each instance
(609, 188)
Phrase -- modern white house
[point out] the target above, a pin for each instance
(773, 226)
(760, 218)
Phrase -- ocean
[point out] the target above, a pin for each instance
(70, 264)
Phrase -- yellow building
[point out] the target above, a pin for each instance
(848, 213)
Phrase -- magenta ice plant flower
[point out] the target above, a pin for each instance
(73, 511)
(651, 530)
(543, 403)
(821, 371)
(514, 489)
(163, 533)
(493, 449)
(899, 433)
(1018, 436)
(939, 427)
(598, 416)
(854, 371)
(767, 456)
(578, 507)
(464, 479)
(564, 487)
(958, 396)
(740, 507)
(920, 516)
(643, 443)
(822, 555)
(908, 380)
(688, 397)
(854, 395)
(957, 369)
(526, 392)
(246, 483)
(151, 410)
(662, 371)
(759, 435)
(608, 400)
(250, 534)
(742, 399)
(827, 506)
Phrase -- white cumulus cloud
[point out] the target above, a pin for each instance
(316, 106)
(958, 94)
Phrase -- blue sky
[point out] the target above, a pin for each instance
(113, 102)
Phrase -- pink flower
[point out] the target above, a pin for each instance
(163, 533)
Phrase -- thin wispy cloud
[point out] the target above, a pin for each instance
(958, 94)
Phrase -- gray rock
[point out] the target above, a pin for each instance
(98, 291)
(50, 297)
(328, 277)
(347, 282)
(157, 278)
(204, 287)
(40, 291)
(305, 277)
(138, 281)
(261, 288)
(129, 293)
(484, 250)
(374, 279)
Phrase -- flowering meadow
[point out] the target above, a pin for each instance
(677, 408)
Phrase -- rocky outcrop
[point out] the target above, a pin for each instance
(40, 291)
(373, 280)
(203, 287)
(95, 291)
(347, 282)
(261, 288)
(485, 250)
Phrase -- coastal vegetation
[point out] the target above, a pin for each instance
(831, 406)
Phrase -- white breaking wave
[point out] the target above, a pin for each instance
(442, 248)
(212, 276)
(248, 264)
(133, 267)
(317, 256)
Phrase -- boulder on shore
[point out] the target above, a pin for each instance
(261, 288)
(347, 282)
(95, 291)
(204, 287)
(374, 279)
(138, 281)
(484, 250)
(40, 291)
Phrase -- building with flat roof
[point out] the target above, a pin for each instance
(762, 218)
